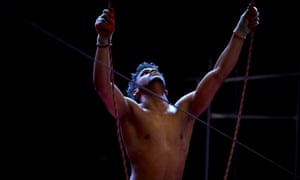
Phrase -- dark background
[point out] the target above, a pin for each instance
(55, 126)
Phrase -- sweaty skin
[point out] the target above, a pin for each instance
(157, 134)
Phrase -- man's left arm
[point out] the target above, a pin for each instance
(212, 81)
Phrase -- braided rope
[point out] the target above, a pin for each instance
(240, 107)
(116, 108)
(117, 116)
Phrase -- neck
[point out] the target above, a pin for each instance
(155, 97)
(152, 102)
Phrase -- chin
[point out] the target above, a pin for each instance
(159, 78)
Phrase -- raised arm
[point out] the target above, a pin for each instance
(105, 26)
(209, 85)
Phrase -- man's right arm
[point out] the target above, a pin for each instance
(102, 77)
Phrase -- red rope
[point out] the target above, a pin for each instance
(117, 117)
(116, 108)
(236, 131)
(240, 108)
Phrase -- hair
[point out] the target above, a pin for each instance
(132, 83)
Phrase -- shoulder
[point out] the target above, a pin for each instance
(131, 101)
(132, 104)
(183, 103)
(184, 100)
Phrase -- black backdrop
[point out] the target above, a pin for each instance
(55, 126)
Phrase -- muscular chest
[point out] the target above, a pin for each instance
(164, 130)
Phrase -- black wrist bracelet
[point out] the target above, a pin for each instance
(103, 45)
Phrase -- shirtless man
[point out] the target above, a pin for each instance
(157, 134)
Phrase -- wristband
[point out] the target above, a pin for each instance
(103, 45)
(241, 28)
(102, 42)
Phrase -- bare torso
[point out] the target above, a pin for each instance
(157, 143)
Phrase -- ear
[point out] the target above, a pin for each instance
(166, 92)
(135, 92)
